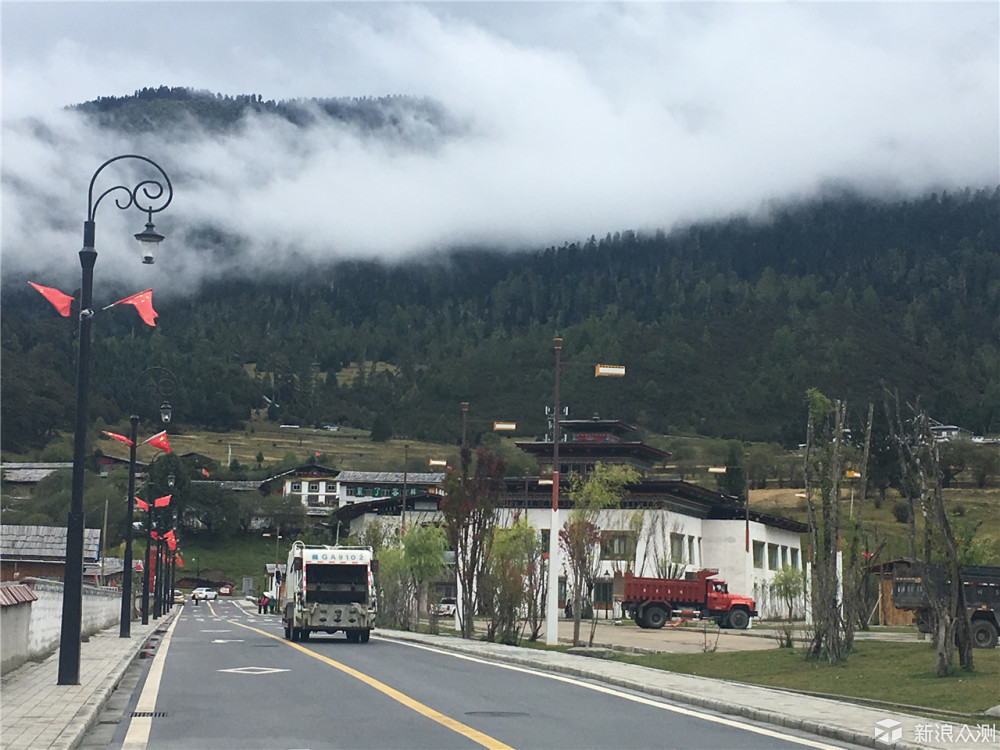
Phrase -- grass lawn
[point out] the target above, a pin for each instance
(901, 673)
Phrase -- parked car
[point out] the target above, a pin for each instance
(226, 589)
(446, 608)
(179, 597)
(204, 593)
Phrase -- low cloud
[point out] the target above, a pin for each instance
(569, 120)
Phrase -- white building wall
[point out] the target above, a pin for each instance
(702, 543)
(751, 573)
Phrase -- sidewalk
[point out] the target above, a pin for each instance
(38, 714)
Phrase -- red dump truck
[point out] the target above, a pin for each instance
(652, 602)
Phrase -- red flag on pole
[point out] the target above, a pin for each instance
(154, 535)
(58, 300)
(143, 303)
(116, 436)
(162, 502)
(204, 473)
(180, 562)
(142, 504)
(159, 440)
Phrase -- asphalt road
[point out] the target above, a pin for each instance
(224, 677)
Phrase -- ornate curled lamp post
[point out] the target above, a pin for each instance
(150, 196)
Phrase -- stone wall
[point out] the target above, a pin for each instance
(36, 636)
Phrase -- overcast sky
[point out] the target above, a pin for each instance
(577, 119)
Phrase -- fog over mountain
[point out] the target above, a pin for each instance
(557, 121)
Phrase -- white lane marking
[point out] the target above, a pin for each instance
(227, 640)
(253, 670)
(137, 735)
(634, 698)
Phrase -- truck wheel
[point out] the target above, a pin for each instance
(656, 617)
(365, 636)
(288, 632)
(352, 636)
(304, 634)
(984, 635)
(739, 619)
(639, 620)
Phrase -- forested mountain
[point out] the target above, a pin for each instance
(722, 326)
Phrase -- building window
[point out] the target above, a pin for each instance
(602, 592)
(677, 548)
(794, 557)
(772, 557)
(543, 535)
(312, 500)
(784, 556)
(690, 557)
(314, 486)
(758, 554)
(296, 486)
(615, 546)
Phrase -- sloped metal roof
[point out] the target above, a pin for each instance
(30, 473)
(396, 477)
(44, 542)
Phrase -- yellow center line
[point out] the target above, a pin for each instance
(446, 721)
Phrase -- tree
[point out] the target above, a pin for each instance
(536, 586)
(920, 462)
(823, 469)
(469, 510)
(505, 592)
(423, 558)
(788, 585)
(580, 536)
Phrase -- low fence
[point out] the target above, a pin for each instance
(30, 631)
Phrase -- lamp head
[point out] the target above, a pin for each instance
(149, 238)
(166, 412)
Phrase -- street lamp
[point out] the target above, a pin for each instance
(159, 589)
(151, 196)
(165, 385)
(552, 606)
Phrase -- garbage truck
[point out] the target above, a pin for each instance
(328, 589)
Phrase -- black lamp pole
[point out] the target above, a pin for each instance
(142, 196)
(148, 561)
(125, 626)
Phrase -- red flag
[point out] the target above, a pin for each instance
(59, 301)
(180, 562)
(159, 440)
(154, 535)
(142, 504)
(204, 473)
(171, 543)
(143, 303)
(162, 502)
(116, 436)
